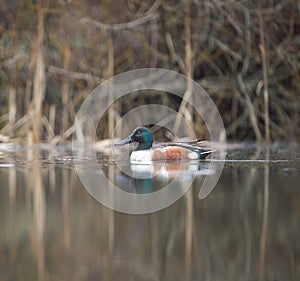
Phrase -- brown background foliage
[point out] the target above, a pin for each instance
(245, 54)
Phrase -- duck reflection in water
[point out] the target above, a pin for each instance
(144, 179)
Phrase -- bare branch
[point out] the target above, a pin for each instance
(149, 16)
(74, 75)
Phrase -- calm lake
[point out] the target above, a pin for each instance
(246, 228)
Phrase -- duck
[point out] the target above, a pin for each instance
(146, 153)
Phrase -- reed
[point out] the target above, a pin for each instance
(187, 98)
(262, 47)
(65, 90)
(12, 113)
(39, 81)
(245, 57)
(110, 73)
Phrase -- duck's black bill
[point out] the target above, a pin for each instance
(124, 141)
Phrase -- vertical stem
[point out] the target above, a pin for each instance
(39, 76)
(188, 47)
(251, 109)
(52, 113)
(111, 114)
(262, 48)
(188, 66)
(65, 90)
(12, 107)
(29, 144)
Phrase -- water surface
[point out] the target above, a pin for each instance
(247, 228)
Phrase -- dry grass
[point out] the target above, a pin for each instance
(53, 54)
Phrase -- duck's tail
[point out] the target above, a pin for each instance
(204, 153)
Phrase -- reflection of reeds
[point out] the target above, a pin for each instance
(265, 214)
(231, 235)
(38, 218)
(66, 209)
(110, 227)
(12, 183)
(189, 234)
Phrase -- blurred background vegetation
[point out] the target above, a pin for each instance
(245, 54)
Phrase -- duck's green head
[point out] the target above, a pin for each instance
(142, 136)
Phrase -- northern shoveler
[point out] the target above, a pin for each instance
(145, 152)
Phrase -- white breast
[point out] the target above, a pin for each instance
(141, 157)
